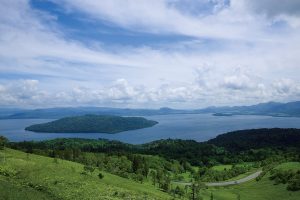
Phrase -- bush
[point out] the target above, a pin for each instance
(294, 184)
(290, 177)
(6, 171)
(89, 168)
(100, 175)
(3, 142)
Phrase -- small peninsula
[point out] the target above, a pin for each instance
(92, 124)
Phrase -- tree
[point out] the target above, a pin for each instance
(179, 191)
(145, 169)
(55, 160)
(153, 176)
(186, 187)
(68, 154)
(159, 177)
(165, 185)
(196, 187)
(3, 142)
(89, 168)
(140, 178)
(136, 163)
(100, 175)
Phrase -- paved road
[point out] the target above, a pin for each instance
(226, 183)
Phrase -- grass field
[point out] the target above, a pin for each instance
(221, 167)
(289, 166)
(226, 167)
(10, 190)
(26, 176)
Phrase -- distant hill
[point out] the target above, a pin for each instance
(6, 112)
(258, 138)
(92, 124)
(55, 113)
(291, 109)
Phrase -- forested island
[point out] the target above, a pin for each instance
(92, 124)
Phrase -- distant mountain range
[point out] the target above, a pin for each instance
(291, 109)
(59, 112)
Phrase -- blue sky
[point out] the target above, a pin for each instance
(128, 53)
(79, 26)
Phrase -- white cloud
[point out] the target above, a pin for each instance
(196, 73)
(161, 16)
(275, 7)
(286, 87)
(237, 82)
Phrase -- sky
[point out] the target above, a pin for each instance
(148, 53)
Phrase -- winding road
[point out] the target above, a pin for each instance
(226, 183)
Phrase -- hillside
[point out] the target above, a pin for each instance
(258, 138)
(31, 177)
(290, 109)
(92, 124)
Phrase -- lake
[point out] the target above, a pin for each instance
(200, 127)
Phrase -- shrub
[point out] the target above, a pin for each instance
(100, 175)
(89, 168)
(3, 142)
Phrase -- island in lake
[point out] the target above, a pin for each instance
(92, 124)
(223, 114)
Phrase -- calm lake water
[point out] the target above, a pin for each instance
(200, 127)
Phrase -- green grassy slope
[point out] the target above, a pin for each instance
(10, 190)
(36, 177)
(289, 166)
